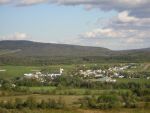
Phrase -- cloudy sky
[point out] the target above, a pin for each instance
(114, 24)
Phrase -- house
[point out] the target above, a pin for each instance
(116, 75)
(2, 70)
(56, 74)
(106, 79)
(121, 76)
(40, 76)
(28, 75)
(94, 73)
(99, 75)
(13, 85)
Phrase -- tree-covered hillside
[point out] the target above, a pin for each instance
(35, 53)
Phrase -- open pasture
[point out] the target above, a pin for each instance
(17, 71)
(69, 100)
(136, 80)
(72, 91)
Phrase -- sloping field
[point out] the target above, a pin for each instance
(5, 52)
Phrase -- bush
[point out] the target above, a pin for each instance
(129, 100)
(101, 102)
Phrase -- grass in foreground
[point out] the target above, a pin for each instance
(76, 111)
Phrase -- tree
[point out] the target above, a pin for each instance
(31, 102)
(19, 103)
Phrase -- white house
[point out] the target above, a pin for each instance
(2, 70)
(39, 75)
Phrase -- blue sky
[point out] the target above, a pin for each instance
(76, 22)
(49, 22)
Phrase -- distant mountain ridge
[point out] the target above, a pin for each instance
(29, 48)
(35, 53)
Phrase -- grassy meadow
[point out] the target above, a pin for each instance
(17, 71)
(78, 111)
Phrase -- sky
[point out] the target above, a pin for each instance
(113, 24)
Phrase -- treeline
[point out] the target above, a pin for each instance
(77, 82)
(73, 82)
(37, 61)
(141, 89)
(21, 85)
(13, 60)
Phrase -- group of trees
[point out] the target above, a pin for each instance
(141, 74)
(32, 103)
(29, 82)
(100, 102)
(6, 84)
(75, 81)
(105, 101)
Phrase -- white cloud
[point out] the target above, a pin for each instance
(124, 17)
(15, 36)
(115, 39)
(134, 40)
(101, 33)
(123, 31)
(30, 2)
(138, 8)
(123, 34)
(4, 1)
(136, 2)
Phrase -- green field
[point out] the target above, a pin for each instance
(138, 80)
(17, 71)
(4, 52)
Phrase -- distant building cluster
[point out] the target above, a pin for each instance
(41, 77)
(105, 75)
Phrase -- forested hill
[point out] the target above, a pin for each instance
(36, 53)
(28, 48)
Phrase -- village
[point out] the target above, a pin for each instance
(109, 75)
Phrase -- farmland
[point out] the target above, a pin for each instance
(70, 91)
(16, 71)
